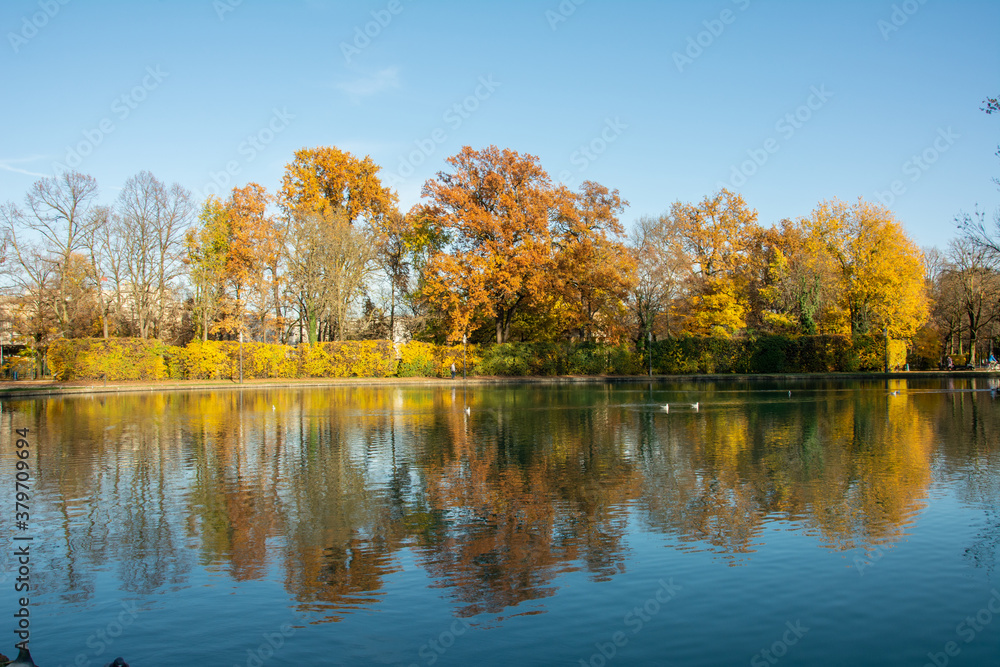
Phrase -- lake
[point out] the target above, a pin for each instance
(843, 523)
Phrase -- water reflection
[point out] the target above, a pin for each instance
(495, 491)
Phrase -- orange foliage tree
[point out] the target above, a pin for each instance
(593, 270)
(339, 215)
(233, 258)
(505, 244)
(495, 208)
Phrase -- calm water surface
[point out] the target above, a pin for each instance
(520, 524)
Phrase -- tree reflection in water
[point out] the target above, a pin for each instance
(495, 491)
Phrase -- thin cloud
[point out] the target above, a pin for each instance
(381, 81)
(8, 165)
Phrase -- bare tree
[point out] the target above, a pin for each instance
(392, 257)
(976, 287)
(974, 226)
(103, 246)
(660, 270)
(329, 264)
(44, 236)
(152, 221)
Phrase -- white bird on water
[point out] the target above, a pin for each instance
(666, 406)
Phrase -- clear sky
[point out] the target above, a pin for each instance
(787, 102)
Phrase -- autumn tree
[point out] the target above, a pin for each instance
(880, 270)
(332, 182)
(801, 290)
(945, 321)
(395, 240)
(718, 236)
(329, 186)
(252, 250)
(494, 207)
(206, 256)
(103, 252)
(592, 270)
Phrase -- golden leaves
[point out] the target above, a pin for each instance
(327, 180)
(880, 278)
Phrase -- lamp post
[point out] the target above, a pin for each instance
(241, 353)
(649, 351)
(887, 349)
(465, 346)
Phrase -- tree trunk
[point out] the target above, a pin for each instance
(973, 336)
(392, 311)
(312, 327)
(277, 305)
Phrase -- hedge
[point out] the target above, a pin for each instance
(114, 359)
(133, 359)
(775, 354)
(518, 359)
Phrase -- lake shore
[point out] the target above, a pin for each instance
(32, 388)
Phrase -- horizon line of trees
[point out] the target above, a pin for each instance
(496, 251)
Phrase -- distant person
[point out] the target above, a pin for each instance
(950, 364)
(453, 370)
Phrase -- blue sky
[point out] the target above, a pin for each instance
(787, 102)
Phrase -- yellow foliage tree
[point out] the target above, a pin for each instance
(207, 252)
(880, 270)
(720, 236)
(328, 181)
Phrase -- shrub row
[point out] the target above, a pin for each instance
(132, 359)
(517, 359)
(114, 359)
(776, 354)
